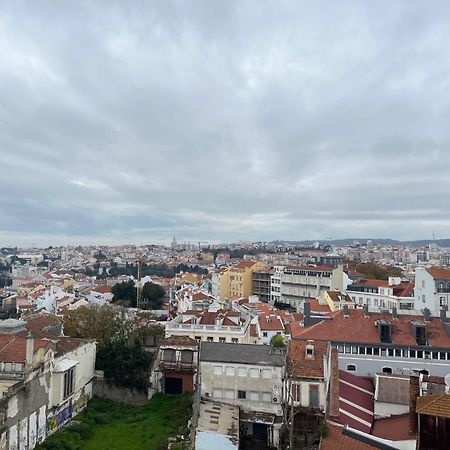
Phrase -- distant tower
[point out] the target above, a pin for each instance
(174, 244)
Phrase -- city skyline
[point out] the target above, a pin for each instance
(223, 122)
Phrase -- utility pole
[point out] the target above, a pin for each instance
(138, 288)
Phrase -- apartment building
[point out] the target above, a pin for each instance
(432, 289)
(236, 281)
(207, 326)
(296, 284)
(307, 375)
(45, 380)
(175, 367)
(261, 283)
(248, 376)
(382, 294)
(370, 343)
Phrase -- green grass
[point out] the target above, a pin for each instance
(108, 425)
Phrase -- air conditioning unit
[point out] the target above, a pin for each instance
(275, 400)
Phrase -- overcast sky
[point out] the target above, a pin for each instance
(132, 122)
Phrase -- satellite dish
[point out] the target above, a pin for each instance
(447, 380)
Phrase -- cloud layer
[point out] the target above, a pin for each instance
(221, 121)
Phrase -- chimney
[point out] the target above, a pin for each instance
(306, 313)
(366, 310)
(29, 349)
(413, 394)
(345, 310)
(394, 312)
(426, 313)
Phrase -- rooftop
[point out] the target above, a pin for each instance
(262, 355)
(356, 327)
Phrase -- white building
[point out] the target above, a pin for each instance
(248, 376)
(432, 289)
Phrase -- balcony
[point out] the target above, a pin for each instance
(178, 365)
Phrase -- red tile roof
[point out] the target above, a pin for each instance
(335, 440)
(434, 405)
(394, 428)
(439, 273)
(358, 328)
(244, 264)
(13, 347)
(270, 323)
(303, 366)
(104, 289)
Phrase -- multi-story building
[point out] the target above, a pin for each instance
(45, 380)
(175, 366)
(218, 326)
(249, 376)
(432, 289)
(382, 294)
(261, 284)
(236, 281)
(300, 283)
(370, 343)
(307, 375)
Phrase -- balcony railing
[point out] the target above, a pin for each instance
(178, 365)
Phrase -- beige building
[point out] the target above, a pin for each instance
(237, 280)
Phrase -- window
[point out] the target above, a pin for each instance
(217, 370)
(266, 373)
(217, 393)
(254, 373)
(7, 367)
(314, 395)
(265, 334)
(253, 396)
(187, 356)
(242, 372)
(242, 395)
(295, 389)
(19, 367)
(198, 338)
(229, 371)
(387, 370)
(209, 339)
(229, 394)
(68, 382)
(266, 397)
(222, 339)
(234, 340)
(351, 368)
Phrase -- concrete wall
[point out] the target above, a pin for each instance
(119, 394)
(367, 365)
(263, 382)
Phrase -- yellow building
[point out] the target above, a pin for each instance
(237, 280)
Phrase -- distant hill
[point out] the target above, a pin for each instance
(419, 243)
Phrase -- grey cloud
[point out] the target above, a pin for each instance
(223, 120)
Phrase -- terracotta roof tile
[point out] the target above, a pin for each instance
(439, 273)
(434, 405)
(303, 366)
(358, 328)
(335, 440)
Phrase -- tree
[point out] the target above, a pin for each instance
(101, 323)
(125, 365)
(278, 341)
(125, 292)
(152, 295)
